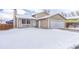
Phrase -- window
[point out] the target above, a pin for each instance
(28, 21)
(25, 21)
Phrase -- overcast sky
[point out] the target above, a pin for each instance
(8, 13)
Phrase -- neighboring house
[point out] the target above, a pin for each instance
(52, 21)
(24, 21)
(72, 22)
(9, 22)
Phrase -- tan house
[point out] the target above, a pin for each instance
(24, 21)
(40, 20)
(52, 21)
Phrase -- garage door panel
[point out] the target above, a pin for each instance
(44, 23)
(57, 24)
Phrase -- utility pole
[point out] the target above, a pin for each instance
(14, 18)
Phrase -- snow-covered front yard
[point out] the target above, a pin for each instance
(38, 38)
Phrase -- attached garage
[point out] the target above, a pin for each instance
(52, 21)
(57, 24)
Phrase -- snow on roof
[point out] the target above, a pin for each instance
(25, 16)
(38, 13)
(30, 17)
(50, 16)
(74, 17)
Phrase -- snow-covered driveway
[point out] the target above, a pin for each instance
(38, 38)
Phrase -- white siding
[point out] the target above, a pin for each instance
(20, 25)
(33, 23)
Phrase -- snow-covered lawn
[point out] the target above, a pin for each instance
(38, 38)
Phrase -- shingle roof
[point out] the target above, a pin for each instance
(51, 16)
(39, 13)
(25, 16)
(30, 17)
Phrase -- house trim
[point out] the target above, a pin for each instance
(48, 23)
(39, 24)
(17, 22)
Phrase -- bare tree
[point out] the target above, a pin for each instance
(1, 19)
(46, 10)
(72, 13)
(77, 12)
(62, 13)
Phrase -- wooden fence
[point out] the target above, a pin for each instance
(6, 26)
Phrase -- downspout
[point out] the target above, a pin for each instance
(48, 23)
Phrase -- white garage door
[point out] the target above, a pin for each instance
(57, 24)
